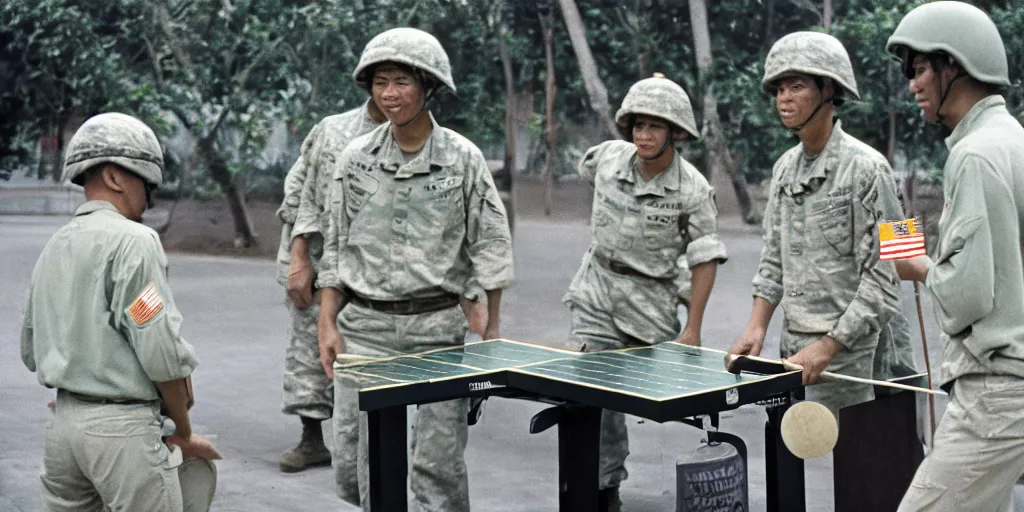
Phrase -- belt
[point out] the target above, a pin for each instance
(405, 307)
(105, 401)
(623, 269)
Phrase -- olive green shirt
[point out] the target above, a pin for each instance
(977, 279)
(81, 332)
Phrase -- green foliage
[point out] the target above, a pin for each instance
(232, 70)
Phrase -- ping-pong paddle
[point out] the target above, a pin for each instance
(346, 359)
(808, 429)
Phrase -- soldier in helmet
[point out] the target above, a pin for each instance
(126, 370)
(820, 256)
(976, 278)
(414, 221)
(308, 392)
(652, 209)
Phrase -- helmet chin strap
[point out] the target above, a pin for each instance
(817, 109)
(945, 94)
(423, 108)
(664, 147)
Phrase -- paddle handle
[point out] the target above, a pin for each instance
(861, 380)
(791, 366)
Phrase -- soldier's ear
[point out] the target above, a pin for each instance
(112, 178)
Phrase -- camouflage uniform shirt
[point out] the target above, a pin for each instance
(650, 226)
(820, 255)
(305, 186)
(404, 226)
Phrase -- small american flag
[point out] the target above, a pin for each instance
(900, 240)
(146, 305)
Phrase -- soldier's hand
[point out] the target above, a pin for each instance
(689, 337)
(476, 315)
(194, 447)
(913, 269)
(750, 343)
(300, 283)
(816, 357)
(331, 344)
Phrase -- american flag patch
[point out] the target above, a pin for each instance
(146, 305)
(900, 240)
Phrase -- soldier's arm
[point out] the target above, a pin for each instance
(28, 348)
(962, 278)
(488, 238)
(311, 204)
(590, 162)
(767, 281)
(296, 178)
(704, 253)
(877, 297)
(143, 309)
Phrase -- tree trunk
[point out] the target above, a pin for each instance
(720, 157)
(826, 14)
(596, 90)
(511, 106)
(245, 234)
(549, 109)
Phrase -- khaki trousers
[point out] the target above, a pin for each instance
(111, 457)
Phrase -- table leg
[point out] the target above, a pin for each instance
(784, 471)
(388, 460)
(579, 439)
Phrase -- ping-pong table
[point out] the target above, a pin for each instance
(663, 382)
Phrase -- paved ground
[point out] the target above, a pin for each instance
(235, 317)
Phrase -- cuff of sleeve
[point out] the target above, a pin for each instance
(286, 214)
(328, 280)
(304, 231)
(704, 249)
(843, 334)
(768, 290)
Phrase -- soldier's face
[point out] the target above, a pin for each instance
(925, 88)
(795, 99)
(398, 94)
(649, 136)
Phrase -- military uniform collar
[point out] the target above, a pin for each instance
(432, 156)
(801, 181)
(95, 206)
(667, 180)
(973, 117)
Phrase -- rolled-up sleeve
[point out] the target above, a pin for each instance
(143, 309)
(488, 238)
(336, 237)
(768, 279)
(590, 162)
(877, 297)
(962, 279)
(702, 232)
(28, 347)
(310, 210)
(296, 178)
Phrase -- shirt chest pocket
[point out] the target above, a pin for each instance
(438, 199)
(833, 217)
(360, 187)
(664, 225)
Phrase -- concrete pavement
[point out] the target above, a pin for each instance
(235, 317)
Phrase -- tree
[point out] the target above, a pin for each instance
(596, 90)
(721, 158)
